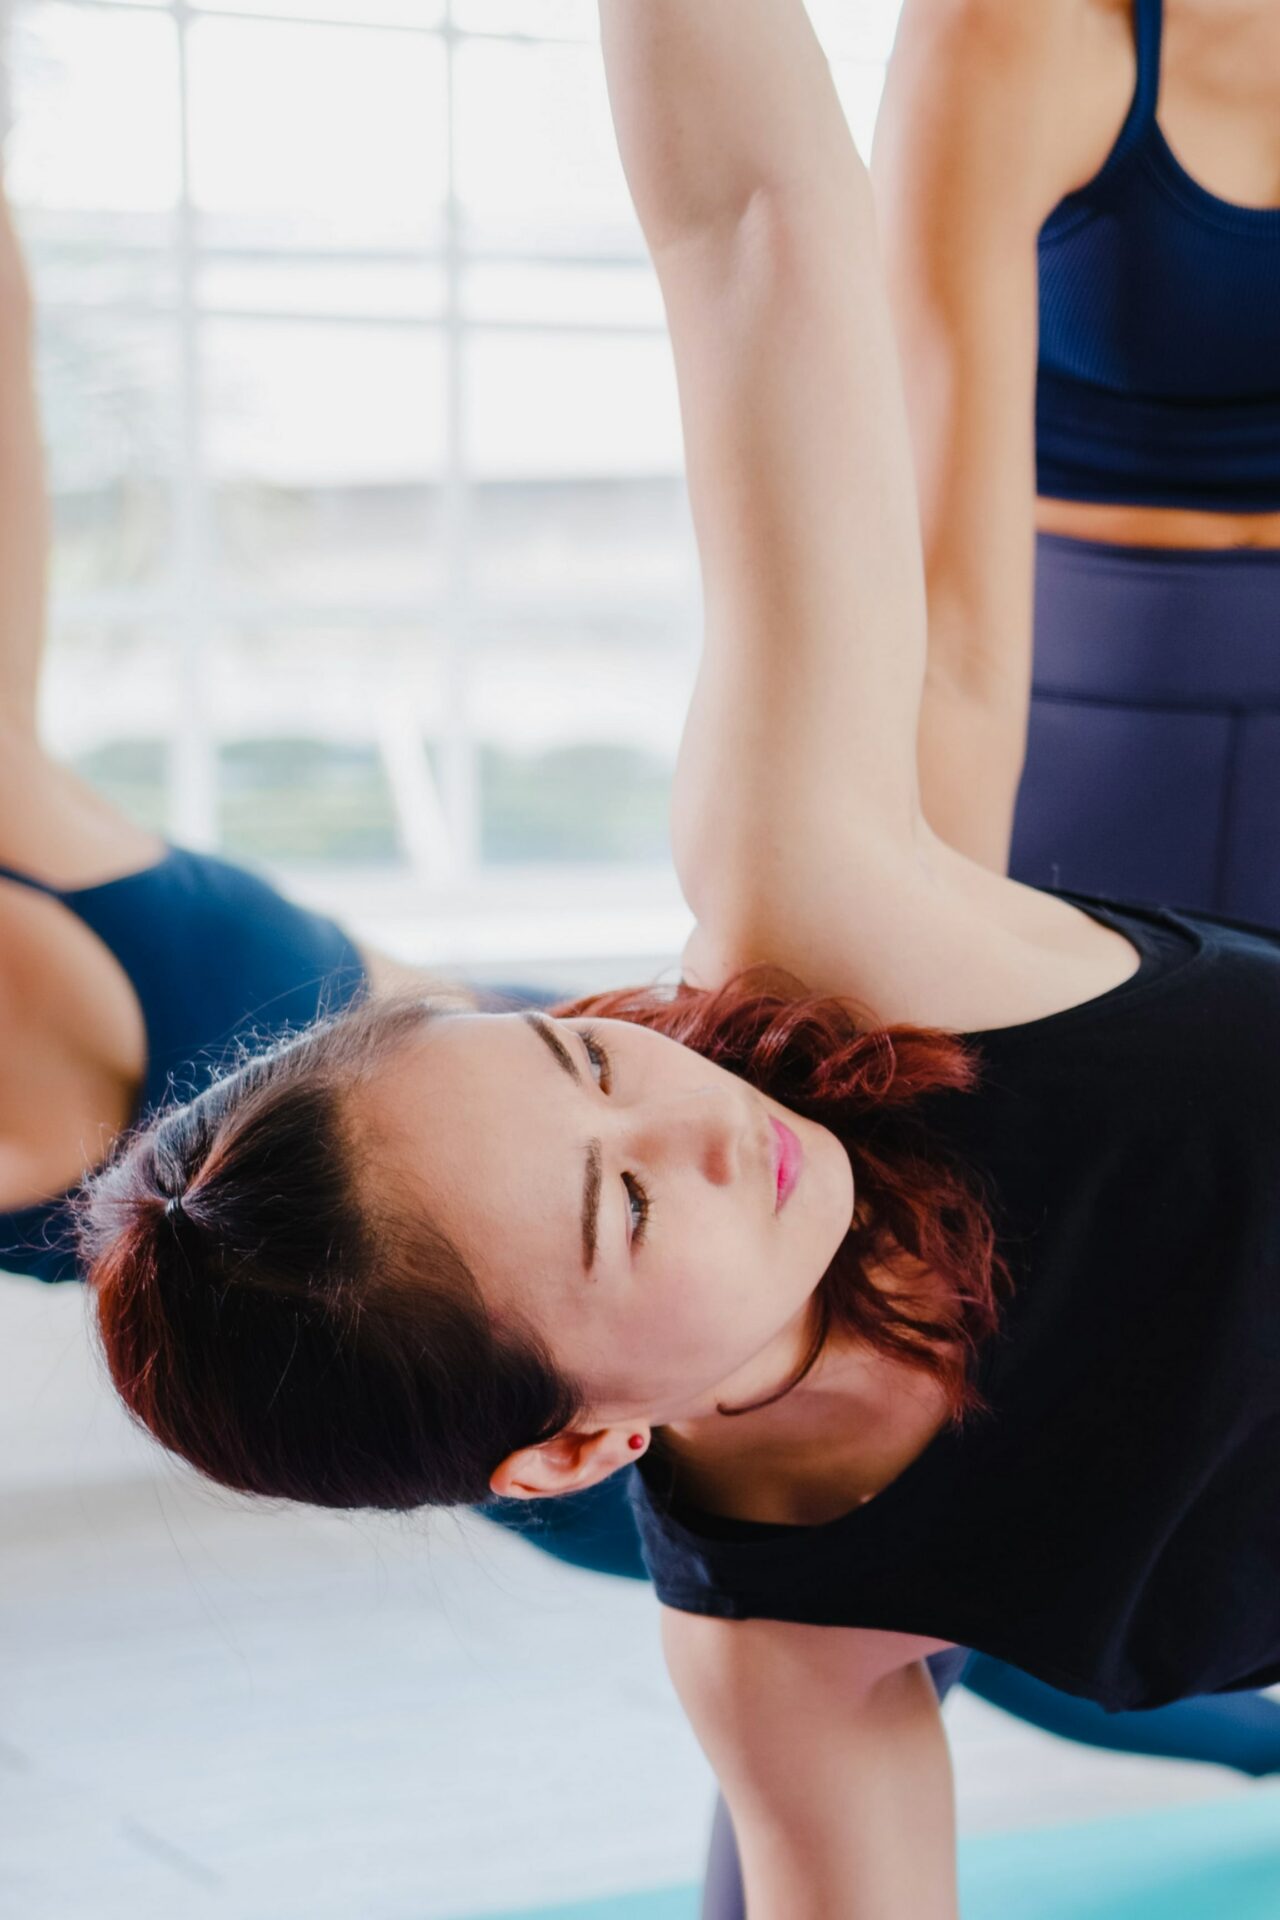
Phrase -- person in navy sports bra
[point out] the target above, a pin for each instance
(1082, 216)
(950, 1322)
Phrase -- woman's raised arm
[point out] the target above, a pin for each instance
(992, 111)
(799, 755)
(24, 531)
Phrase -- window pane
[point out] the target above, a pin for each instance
(96, 110)
(294, 799)
(548, 406)
(325, 444)
(579, 738)
(107, 700)
(313, 724)
(362, 287)
(399, 13)
(584, 804)
(629, 542)
(537, 158)
(319, 134)
(607, 296)
(592, 679)
(108, 401)
(94, 260)
(569, 19)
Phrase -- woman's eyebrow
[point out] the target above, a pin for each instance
(551, 1039)
(594, 1173)
(591, 1205)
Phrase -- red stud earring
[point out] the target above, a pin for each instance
(636, 1442)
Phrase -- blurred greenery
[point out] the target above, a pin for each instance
(305, 800)
(589, 803)
(131, 774)
(301, 801)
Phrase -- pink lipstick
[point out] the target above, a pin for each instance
(788, 1158)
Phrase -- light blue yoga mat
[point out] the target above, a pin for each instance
(1215, 1862)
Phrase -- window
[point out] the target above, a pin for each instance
(372, 561)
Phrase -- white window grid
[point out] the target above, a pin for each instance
(438, 816)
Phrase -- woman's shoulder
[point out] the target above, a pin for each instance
(928, 939)
(1054, 79)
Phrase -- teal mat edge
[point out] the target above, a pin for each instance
(1196, 1862)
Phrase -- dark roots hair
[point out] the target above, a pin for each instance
(278, 1315)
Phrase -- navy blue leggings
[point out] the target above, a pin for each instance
(1153, 755)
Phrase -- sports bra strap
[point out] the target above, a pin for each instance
(29, 880)
(1148, 22)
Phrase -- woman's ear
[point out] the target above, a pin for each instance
(570, 1463)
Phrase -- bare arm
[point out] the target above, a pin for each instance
(829, 1747)
(796, 824)
(24, 531)
(799, 754)
(992, 111)
(51, 823)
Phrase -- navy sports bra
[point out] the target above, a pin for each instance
(1159, 377)
(1112, 1523)
(217, 958)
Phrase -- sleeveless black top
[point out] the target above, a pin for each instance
(1112, 1523)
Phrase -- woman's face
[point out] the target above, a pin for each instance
(660, 1223)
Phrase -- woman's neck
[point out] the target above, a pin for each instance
(856, 1422)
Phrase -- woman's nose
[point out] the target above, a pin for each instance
(702, 1131)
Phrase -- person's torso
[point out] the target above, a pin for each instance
(1158, 395)
(1112, 1523)
(186, 961)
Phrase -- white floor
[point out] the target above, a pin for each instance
(212, 1709)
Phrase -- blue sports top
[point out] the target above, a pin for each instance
(216, 958)
(1159, 377)
(1111, 1524)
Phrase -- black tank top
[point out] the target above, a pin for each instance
(1112, 1523)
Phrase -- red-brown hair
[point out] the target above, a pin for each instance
(272, 1312)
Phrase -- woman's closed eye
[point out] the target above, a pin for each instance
(639, 1208)
(600, 1062)
(639, 1204)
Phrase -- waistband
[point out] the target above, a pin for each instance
(1156, 626)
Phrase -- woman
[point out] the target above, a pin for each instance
(416, 1255)
(1081, 205)
(140, 967)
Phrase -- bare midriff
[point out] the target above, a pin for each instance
(1122, 526)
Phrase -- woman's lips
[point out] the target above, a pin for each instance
(788, 1158)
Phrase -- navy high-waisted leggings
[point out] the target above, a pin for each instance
(1153, 756)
